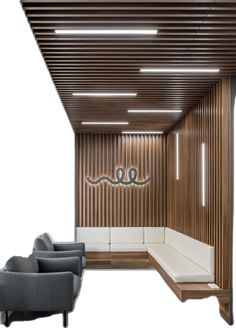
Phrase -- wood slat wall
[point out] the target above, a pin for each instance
(106, 205)
(210, 123)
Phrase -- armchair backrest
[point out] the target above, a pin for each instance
(22, 264)
(43, 243)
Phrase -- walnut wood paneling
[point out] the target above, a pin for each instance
(191, 34)
(117, 260)
(208, 122)
(121, 206)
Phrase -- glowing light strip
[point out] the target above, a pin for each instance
(154, 111)
(203, 174)
(142, 132)
(105, 94)
(179, 70)
(104, 123)
(177, 155)
(107, 31)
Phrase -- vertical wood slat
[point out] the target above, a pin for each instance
(208, 122)
(106, 205)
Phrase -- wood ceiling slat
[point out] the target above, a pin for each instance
(162, 38)
(163, 47)
(162, 27)
(132, 66)
(122, 4)
(130, 20)
(128, 6)
(160, 16)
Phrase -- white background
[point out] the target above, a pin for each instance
(37, 194)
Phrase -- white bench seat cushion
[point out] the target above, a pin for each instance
(128, 247)
(178, 267)
(97, 247)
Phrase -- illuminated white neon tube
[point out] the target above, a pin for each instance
(203, 174)
(177, 155)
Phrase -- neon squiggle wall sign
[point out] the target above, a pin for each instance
(120, 178)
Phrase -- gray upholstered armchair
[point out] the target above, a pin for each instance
(44, 246)
(31, 288)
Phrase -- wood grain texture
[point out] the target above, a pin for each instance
(120, 206)
(209, 123)
(190, 34)
(118, 260)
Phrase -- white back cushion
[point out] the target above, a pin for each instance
(127, 235)
(154, 234)
(93, 235)
(198, 252)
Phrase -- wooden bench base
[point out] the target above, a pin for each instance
(142, 260)
(113, 260)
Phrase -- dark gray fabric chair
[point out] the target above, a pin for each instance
(45, 247)
(32, 288)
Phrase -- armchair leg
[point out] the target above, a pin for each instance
(65, 319)
(7, 319)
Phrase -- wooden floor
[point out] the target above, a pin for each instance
(183, 291)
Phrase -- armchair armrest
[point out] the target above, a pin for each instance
(69, 247)
(71, 264)
(36, 291)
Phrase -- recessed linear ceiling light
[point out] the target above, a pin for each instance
(154, 111)
(179, 70)
(105, 94)
(142, 132)
(105, 123)
(108, 31)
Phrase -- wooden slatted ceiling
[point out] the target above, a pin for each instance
(191, 34)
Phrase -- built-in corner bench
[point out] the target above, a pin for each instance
(186, 264)
(183, 258)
